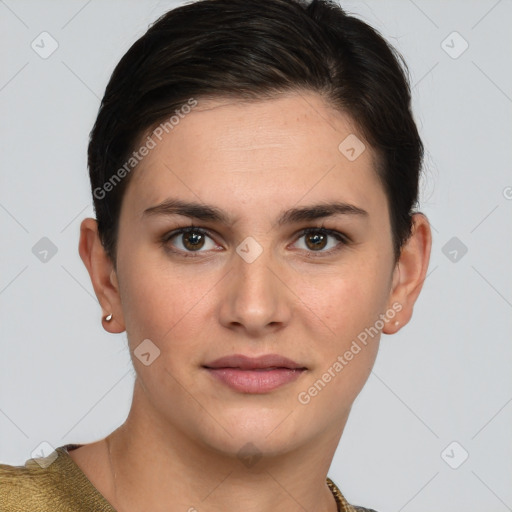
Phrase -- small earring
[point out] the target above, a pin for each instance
(397, 322)
(108, 318)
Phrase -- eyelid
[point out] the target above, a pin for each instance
(342, 238)
(183, 230)
(332, 232)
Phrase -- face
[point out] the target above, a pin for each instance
(246, 279)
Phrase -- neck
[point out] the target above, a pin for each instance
(160, 467)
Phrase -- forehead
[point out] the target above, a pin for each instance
(259, 154)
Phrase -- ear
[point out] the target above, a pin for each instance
(410, 272)
(103, 275)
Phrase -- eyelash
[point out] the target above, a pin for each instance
(343, 239)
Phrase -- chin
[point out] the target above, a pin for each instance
(271, 432)
(249, 449)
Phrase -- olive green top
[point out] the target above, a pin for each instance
(55, 483)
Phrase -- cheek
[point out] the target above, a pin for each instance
(156, 297)
(349, 306)
(349, 300)
(158, 306)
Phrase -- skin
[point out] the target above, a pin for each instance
(253, 161)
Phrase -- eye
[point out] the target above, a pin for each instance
(192, 239)
(316, 240)
(189, 239)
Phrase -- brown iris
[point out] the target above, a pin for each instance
(318, 240)
(193, 240)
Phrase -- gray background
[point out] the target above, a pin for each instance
(443, 378)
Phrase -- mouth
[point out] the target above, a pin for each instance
(255, 375)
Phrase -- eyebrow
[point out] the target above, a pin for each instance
(206, 212)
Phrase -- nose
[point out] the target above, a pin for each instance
(255, 298)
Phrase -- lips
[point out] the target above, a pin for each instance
(254, 375)
(265, 362)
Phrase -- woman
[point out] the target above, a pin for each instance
(254, 168)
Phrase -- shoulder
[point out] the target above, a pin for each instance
(28, 487)
(46, 484)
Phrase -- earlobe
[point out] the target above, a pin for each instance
(410, 272)
(111, 325)
(100, 270)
